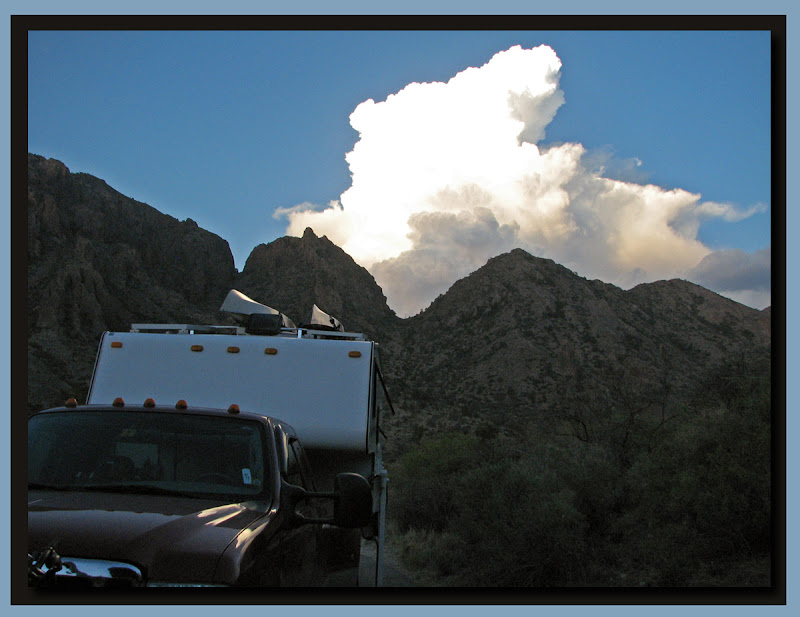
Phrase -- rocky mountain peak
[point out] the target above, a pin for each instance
(46, 168)
(292, 274)
(98, 260)
(513, 340)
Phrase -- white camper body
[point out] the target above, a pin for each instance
(322, 387)
(323, 383)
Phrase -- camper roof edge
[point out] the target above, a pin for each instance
(301, 332)
(185, 328)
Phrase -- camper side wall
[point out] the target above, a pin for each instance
(323, 388)
(325, 464)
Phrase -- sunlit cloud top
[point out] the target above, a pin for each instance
(447, 175)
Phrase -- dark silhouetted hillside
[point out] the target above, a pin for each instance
(520, 339)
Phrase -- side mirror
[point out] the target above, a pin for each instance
(352, 501)
(353, 505)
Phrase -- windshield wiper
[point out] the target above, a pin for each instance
(34, 486)
(132, 489)
(138, 489)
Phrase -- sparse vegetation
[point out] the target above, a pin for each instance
(572, 450)
(689, 505)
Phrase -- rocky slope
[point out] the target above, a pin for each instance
(98, 260)
(292, 274)
(523, 338)
(520, 341)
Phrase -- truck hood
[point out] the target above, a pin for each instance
(168, 538)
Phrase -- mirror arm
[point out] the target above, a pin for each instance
(309, 494)
(297, 494)
(303, 520)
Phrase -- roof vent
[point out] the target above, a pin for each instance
(320, 320)
(269, 325)
(243, 308)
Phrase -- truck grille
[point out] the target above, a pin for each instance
(88, 573)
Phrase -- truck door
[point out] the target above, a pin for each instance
(338, 549)
(301, 563)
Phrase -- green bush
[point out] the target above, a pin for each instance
(702, 495)
(689, 505)
(481, 513)
(424, 480)
(522, 526)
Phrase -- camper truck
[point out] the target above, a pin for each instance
(244, 455)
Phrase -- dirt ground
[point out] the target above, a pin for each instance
(394, 575)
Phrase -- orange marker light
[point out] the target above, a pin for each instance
(233, 409)
(197, 348)
(149, 403)
(354, 354)
(181, 404)
(116, 344)
(270, 351)
(71, 402)
(118, 402)
(233, 350)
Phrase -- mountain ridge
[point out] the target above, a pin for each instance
(520, 339)
(313, 270)
(528, 333)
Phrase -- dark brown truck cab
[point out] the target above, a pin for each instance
(152, 496)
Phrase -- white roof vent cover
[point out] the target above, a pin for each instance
(320, 319)
(239, 304)
(242, 308)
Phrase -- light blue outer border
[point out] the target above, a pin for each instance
(429, 7)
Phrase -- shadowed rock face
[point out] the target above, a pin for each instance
(98, 260)
(517, 339)
(292, 274)
(524, 338)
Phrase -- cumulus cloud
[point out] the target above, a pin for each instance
(447, 246)
(604, 162)
(446, 175)
(745, 277)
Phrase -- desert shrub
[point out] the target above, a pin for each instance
(702, 495)
(742, 385)
(689, 505)
(523, 527)
(433, 556)
(593, 472)
(424, 481)
(483, 513)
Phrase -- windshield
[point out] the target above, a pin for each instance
(146, 452)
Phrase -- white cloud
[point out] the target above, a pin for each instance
(446, 175)
(733, 271)
(447, 246)
(750, 297)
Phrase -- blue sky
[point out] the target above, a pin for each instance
(225, 127)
